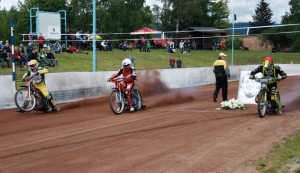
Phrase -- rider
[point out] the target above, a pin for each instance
(269, 69)
(130, 75)
(38, 74)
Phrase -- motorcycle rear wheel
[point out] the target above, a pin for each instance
(23, 102)
(116, 102)
(262, 105)
(137, 95)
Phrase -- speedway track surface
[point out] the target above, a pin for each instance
(179, 131)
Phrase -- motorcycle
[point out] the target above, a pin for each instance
(28, 98)
(118, 97)
(265, 104)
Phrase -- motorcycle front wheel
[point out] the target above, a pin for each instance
(116, 102)
(262, 104)
(24, 100)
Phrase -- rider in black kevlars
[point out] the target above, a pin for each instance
(269, 69)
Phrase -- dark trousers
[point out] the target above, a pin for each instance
(221, 82)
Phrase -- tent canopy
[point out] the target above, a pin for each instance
(145, 30)
(98, 37)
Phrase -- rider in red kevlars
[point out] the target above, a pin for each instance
(269, 69)
(130, 75)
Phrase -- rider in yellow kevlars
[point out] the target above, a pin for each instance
(38, 74)
(269, 69)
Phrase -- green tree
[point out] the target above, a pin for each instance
(276, 38)
(262, 17)
(79, 14)
(293, 18)
(205, 13)
(4, 29)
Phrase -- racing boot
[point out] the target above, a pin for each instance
(130, 102)
(279, 111)
(19, 110)
(53, 105)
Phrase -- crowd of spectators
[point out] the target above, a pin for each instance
(40, 51)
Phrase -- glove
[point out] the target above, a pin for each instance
(109, 79)
(129, 76)
(251, 77)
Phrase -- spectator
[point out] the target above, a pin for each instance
(125, 46)
(143, 40)
(4, 58)
(53, 61)
(32, 55)
(17, 57)
(223, 46)
(1, 46)
(47, 44)
(189, 45)
(172, 46)
(43, 58)
(41, 41)
(178, 62)
(29, 48)
(103, 45)
(72, 49)
(181, 46)
(185, 46)
(78, 36)
(148, 45)
(63, 48)
(56, 47)
(139, 44)
(21, 49)
(194, 45)
(23, 59)
(171, 62)
(7, 48)
(222, 74)
(167, 45)
(109, 46)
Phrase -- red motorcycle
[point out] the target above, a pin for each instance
(29, 98)
(118, 97)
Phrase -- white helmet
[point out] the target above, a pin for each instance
(126, 64)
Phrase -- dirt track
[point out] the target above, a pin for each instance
(180, 131)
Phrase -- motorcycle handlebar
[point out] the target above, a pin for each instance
(119, 79)
(267, 79)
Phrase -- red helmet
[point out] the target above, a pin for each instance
(270, 59)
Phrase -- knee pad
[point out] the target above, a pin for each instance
(48, 97)
(272, 97)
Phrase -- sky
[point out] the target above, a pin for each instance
(244, 9)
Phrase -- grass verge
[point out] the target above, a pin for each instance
(284, 157)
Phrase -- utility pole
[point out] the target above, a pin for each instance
(232, 46)
(12, 30)
(94, 35)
